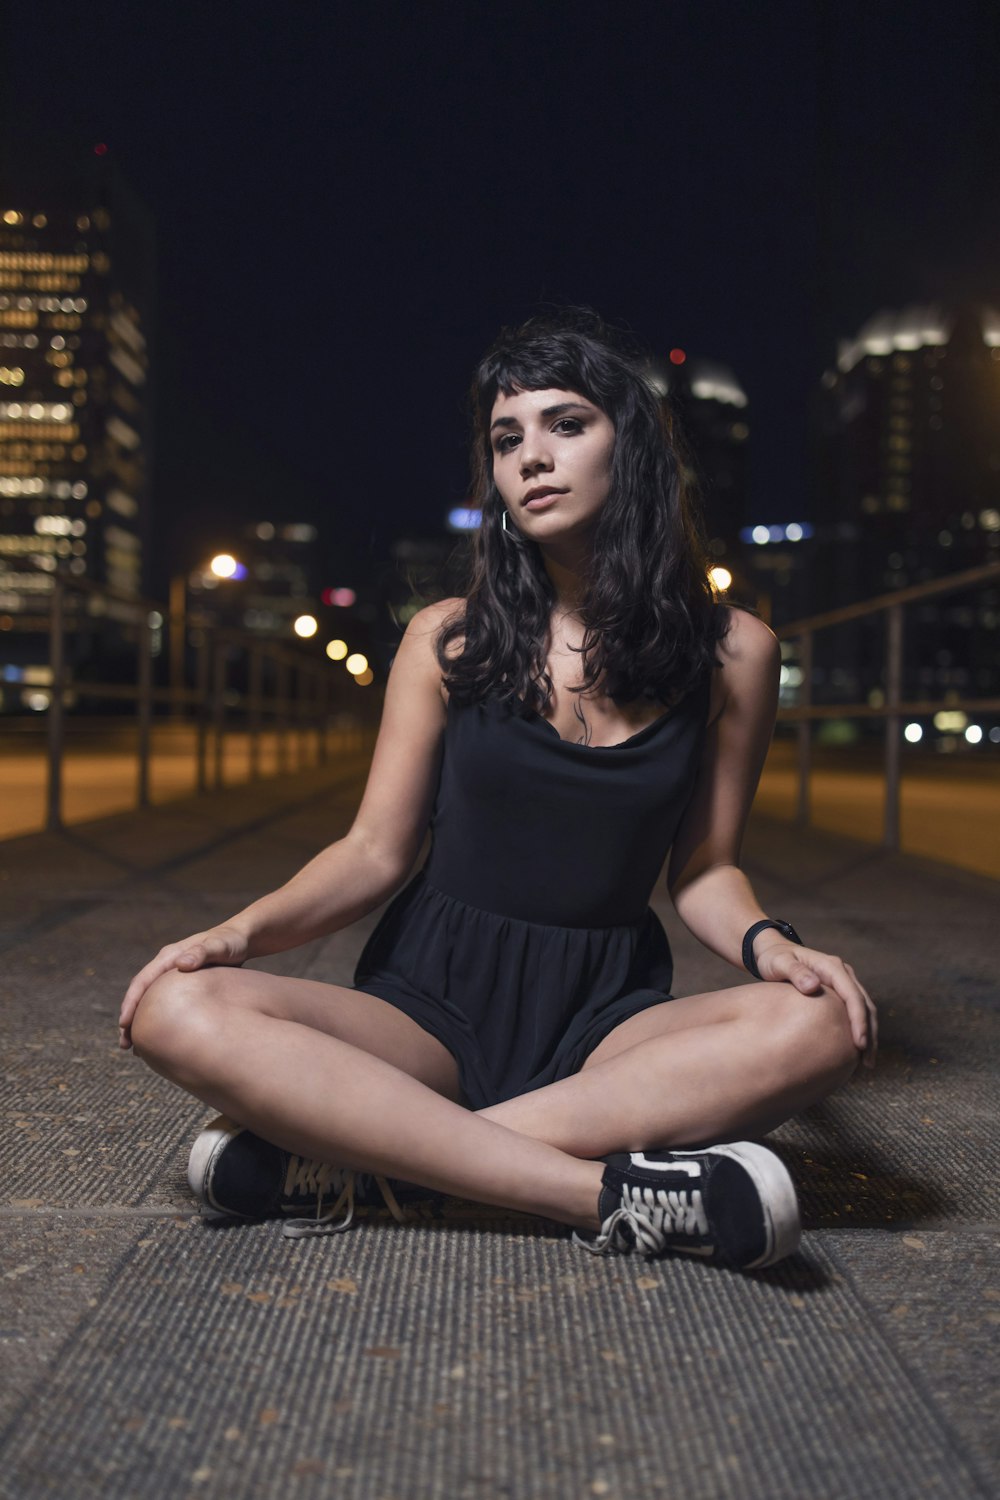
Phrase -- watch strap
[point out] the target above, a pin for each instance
(785, 928)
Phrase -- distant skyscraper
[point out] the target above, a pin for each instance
(912, 428)
(710, 406)
(76, 286)
(909, 484)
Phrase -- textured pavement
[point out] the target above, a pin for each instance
(144, 1353)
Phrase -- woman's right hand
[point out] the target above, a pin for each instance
(217, 946)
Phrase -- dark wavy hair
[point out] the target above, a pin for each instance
(650, 628)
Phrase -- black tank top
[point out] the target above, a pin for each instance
(536, 827)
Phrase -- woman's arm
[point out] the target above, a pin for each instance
(711, 894)
(351, 877)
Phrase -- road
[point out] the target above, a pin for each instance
(950, 804)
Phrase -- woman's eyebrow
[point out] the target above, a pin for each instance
(548, 411)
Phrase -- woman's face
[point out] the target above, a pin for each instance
(551, 461)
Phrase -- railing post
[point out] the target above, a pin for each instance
(178, 644)
(202, 710)
(302, 715)
(282, 689)
(219, 713)
(805, 728)
(57, 666)
(322, 679)
(144, 706)
(893, 695)
(255, 682)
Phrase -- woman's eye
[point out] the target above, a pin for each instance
(505, 443)
(570, 424)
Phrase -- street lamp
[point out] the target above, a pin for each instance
(222, 567)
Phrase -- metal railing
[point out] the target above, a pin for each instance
(893, 709)
(301, 699)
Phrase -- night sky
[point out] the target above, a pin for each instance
(350, 200)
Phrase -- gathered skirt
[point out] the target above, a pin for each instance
(517, 1004)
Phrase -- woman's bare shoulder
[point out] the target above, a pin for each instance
(748, 642)
(424, 630)
(432, 617)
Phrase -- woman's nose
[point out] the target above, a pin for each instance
(534, 453)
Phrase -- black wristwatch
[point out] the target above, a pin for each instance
(785, 928)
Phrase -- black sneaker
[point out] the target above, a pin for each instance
(237, 1175)
(731, 1205)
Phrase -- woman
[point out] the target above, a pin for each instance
(511, 1039)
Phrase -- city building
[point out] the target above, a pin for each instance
(76, 307)
(707, 407)
(909, 490)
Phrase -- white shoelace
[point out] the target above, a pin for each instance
(653, 1215)
(322, 1178)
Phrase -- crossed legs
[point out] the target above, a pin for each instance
(336, 1075)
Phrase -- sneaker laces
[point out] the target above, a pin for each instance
(322, 1178)
(651, 1216)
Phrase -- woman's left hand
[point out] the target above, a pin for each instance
(809, 970)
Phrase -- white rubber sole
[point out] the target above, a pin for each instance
(777, 1195)
(207, 1146)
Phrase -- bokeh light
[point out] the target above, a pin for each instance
(223, 565)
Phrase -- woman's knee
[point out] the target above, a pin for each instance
(815, 1029)
(174, 1013)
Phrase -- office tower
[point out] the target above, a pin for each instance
(913, 445)
(910, 481)
(709, 407)
(76, 281)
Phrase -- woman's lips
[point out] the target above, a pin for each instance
(542, 502)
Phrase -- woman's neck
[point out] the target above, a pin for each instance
(567, 583)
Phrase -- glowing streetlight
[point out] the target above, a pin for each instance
(305, 626)
(365, 677)
(336, 650)
(720, 579)
(356, 664)
(223, 565)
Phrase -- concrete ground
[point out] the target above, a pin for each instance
(147, 1354)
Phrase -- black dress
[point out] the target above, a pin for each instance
(527, 935)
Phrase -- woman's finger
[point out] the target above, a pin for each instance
(833, 972)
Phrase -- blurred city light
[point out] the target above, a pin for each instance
(342, 598)
(720, 579)
(950, 720)
(974, 734)
(305, 626)
(677, 356)
(795, 531)
(464, 518)
(356, 664)
(223, 565)
(336, 650)
(365, 677)
(913, 734)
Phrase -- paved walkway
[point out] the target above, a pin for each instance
(146, 1354)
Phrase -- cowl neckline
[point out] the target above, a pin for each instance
(532, 716)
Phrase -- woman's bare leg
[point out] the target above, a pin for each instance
(322, 1097)
(706, 1068)
(710, 1067)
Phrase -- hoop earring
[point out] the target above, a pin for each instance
(503, 523)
